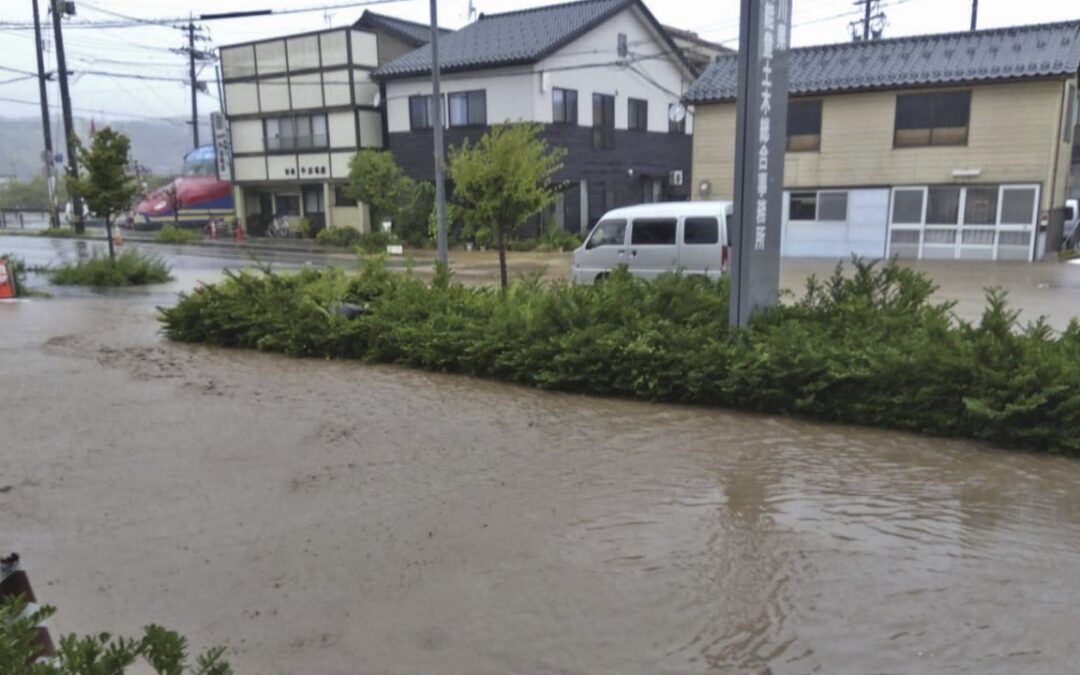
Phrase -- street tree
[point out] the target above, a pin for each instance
(377, 180)
(505, 178)
(105, 185)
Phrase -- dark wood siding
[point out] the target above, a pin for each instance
(649, 155)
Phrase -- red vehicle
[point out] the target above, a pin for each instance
(192, 200)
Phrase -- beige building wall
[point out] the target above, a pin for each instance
(1014, 137)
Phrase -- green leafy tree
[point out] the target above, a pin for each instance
(106, 186)
(377, 180)
(505, 178)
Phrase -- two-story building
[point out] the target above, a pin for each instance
(298, 108)
(936, 146)
(602, 76)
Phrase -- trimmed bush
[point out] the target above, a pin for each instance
(871, 348)
(375, 242)
(345, 237)
(58, 232)
(171, 234)
(130, 268)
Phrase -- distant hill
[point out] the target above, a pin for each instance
(157, 144)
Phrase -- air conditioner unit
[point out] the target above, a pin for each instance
(675, 178)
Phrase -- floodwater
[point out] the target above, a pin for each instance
(327, 517)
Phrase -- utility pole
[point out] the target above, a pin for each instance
(46, 127)
(58, 8)
(872, 23)
(194, 84)
(436, 124)
(974, 13)
(866, 22)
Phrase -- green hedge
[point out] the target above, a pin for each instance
(172, 234)
(130, 268)
(869, 348)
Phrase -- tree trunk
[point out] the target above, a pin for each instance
(500, 241)
(108, 235)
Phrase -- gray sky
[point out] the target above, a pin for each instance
(144, 51)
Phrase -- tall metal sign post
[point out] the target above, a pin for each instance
(760, 143)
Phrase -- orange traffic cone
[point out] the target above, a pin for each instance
(7, 285)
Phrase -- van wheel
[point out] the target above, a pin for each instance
(600, 277)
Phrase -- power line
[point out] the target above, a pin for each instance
(100, 111)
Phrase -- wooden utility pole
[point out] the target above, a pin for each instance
(58, 8)
(194, 85)
(436, 125)
(974, 14)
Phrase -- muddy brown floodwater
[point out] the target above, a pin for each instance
(323, 517)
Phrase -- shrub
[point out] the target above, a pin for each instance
(870, 349)
(344, 237)
(58, 232)
(171, 234)
(130, 268)
(374, 242)
(556, 239)
(16, 269)
(165, 651)
(411, 220)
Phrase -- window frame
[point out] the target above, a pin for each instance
(413, 126)
(590, 243)
(933, 115)
(469, 96)
(603, 133)
(674, 127)
(674, 222)
(637, 114)
(801, 104)
(291, 141)
(805, 193)
(686, 226)
(568, 106)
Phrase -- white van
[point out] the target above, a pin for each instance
(1072, 224)
(650, 239)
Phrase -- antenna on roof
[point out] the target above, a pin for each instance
(472, 11)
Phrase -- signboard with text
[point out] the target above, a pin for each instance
(222, 146)
(760, 143)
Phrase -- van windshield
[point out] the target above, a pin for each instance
(608, 233)
(1070, 213)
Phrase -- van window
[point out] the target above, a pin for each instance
(608, 233)
(653, 232)
(701, 231)
(1070, 213)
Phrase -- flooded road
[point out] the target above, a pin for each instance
(326, 517)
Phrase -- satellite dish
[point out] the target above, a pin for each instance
(677, 113)
(376, 100)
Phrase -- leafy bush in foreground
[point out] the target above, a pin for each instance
(869, 349)
(163, 650)
(130, 268)
(171, 234)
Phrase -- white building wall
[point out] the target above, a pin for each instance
(335, 50)
(247, 136)
(274, 94)
(306, 91)
(586, 65)
(342, 128)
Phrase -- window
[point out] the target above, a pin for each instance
(943, 206)
(419, 112)
(980, 206)
(803, 206)
(564, 106)
(300, 132)
(468, 109)
(342, 199)
(608, 233)
(673, 126)
(1017, 206)
(1070, 114)
(653, 232)
(932, 119)
(1070, 213)
(907, 207)
(637, 115)
(603, 122)
(701, 231)
(287, 205)
(623, 46)
(832, 206)
(804, 126)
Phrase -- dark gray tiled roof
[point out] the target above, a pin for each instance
(512, 38)
(410, 32)
(1043, 50)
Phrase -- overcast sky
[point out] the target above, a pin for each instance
(145, 51)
